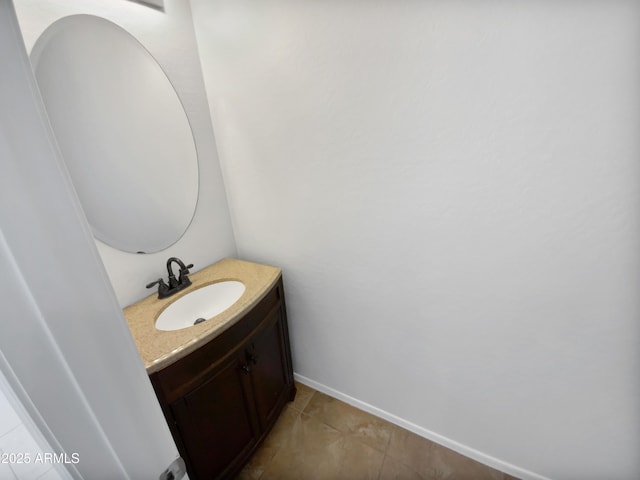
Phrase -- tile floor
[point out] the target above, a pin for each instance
(16, 438)
(320, 438)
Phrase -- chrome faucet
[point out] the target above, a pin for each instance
(175, 285)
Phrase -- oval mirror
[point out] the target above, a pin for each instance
(122, 131)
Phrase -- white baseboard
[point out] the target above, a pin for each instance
(423, 432)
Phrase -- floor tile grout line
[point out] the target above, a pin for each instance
(277, 450)
(350, 433)
(318, 416)
(386, 449)
(12, 429)
(344, 434)
(384, 455)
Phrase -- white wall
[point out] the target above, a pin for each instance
(169, 37)
(452, 189)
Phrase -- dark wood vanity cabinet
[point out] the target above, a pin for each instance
(221, 400)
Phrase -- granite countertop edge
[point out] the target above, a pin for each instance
(159, 349)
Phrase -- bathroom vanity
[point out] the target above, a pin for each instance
(221, 383)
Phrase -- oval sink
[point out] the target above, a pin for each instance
(200, 305)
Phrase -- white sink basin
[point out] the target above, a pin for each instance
(200, 305)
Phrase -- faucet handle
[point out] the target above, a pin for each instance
(163, 288)
(159, 282)
(183, 279)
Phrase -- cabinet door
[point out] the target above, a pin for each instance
(267, 354)
(216, 422)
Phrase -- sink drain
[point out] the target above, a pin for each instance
(199, 320)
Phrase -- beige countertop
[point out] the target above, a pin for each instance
(161, 348)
